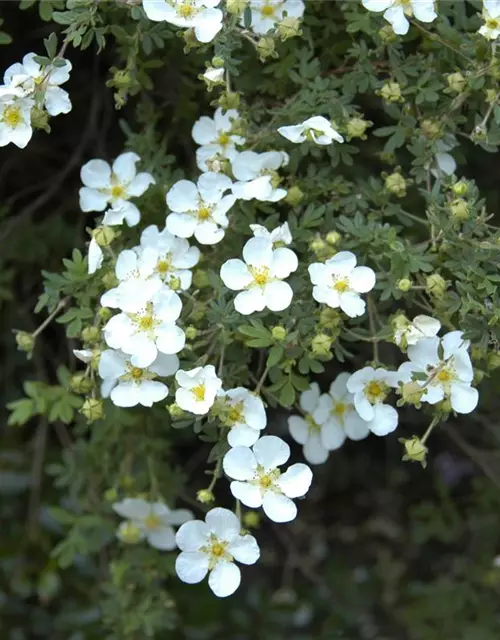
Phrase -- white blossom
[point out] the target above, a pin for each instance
(197, 389)
(491, 16)
(258, 481)
(370, 388)
(152, 521)
(127, 385)
(213, 546)
(244, 415)
(260, 277)
(338, 283)
(32, 78)
(396, 11)
(267, 13)
(214, 76)
(114, 185)
(316, 129)
(175, 257)
(200, 209)
(257, 175)
(15, 120)
(279, 236)
(216, 137)
(149, 330)
(447, 368)
(408, 333)
(200, 15)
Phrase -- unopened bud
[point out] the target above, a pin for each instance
(92, 409)
(415, 450)
(229, 100)
(40, 119)
(111, 495)
(391, 92)
(294, 196)
(396, 184)
(404, 284)
(236, 7)
(104, 236)
(435, 286)
(266, 48)
(459, 209)
(104, 314)
(130, 533)
(25, 342)
(201, 279)
(333, 238)
(289, 28)
(430, 129)
(91, 334)
(205, 496)
(174, 283)
(279, 333)
(191, 40)
(251, 519)
(79, 383)
(191, 332)
(109, 280)
(411, 393)
(174, 410)
(321, 344)
(387, 34)
(356, 128)
(460, 188)
(329, 318)
(456, 82)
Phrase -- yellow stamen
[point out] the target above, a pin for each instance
(375, 391)
(186, 10)
(136, 373)
(152, 521)
(260, 275)
(223, 139)
(312, 424)
(444, 376)
(117, 191)
(339, 409)
(146, 323)
(163, 266)
(218, 550)
(235, 414)
(199, 392)
(341, 286)
(491, 23)
(12, 116)
(204, 213)
(265, 481)
(267, 11)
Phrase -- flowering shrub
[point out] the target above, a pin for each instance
(300, 236)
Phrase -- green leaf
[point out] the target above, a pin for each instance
(51, 45)
(274, 356)
(247, 17)
(287, 395)
(21, 411)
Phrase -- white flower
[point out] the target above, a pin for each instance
(395, 11)
(338, 283)
(245, 416)
(213, 546)
(175, 257)
(257, 175)
(31, 77)
(279, 236)
(260, 277)
(216, 137)
(15, 120)
(127, 385)
(138, 285)
(149, 330)
(258, 481)
(448, 368)
(316, 129)
(84, 355)
(307, 432)
(197, 389)
(491, 16)
(408, 333)
(370, 388)
(267, 13)
(105, 185)
(153, 521)
(200, 209)
(95, 256)
(201, 15)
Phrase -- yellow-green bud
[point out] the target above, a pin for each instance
(127, 481)
(217, 62)
(205, 496)
(391, 92)
(387, 34)
(236, 7)
(456, 82)
(356, 128)
(174, 283)
(333, 237)
(191, 40)
(415, 450)
(289, 28)
(435, 285)
(321, 344)
(92, 409)
(25, 342)
(104, 236)
(40, 119)
(460, 188)
(109, 280)
(459, 209)
(191, 332)
(396, 184)
(198, 312)
(493, 361)
(294, 196)
(279, 333)
(266, 48)
(130, 533)
(111, 495)
(491, 95)
(229, 100)
(91, 334)
(329, 318)
(174, 410)
(444, 406)
(318, 245)
(201, 279)
(404, 284)
(430, 129)
(104, 314)
(251, 519)
(411, 393)
(79, 383)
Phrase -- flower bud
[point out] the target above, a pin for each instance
(415, 450)
(79, 383)
(333, 238)
(266, 48)
(130, 533)
(109, 280)
(25, 342)
(104, 236)
(104, 314)
(191, 40)
(411, 393)
(91, 334)
(236, 7)
(251, 519)
(174, 283)
(444, 406)
(321, 344)
(430, 129)
(491, 95)
(329, 318)
(456, 82)
(111, 495)
(459, 210)
(356, 128)
(404, 284)
(201, 279)
(387, 34)
(460, 188)
(289, 28)
(127, 481)
(40, 119)
(279, 333)
(205, 496)
(436, 286)
(391, 92)
(191, 332)
(396, 184)
(92, 409)
(217, 62)
(493, 361)
(174, 410)
(229, 100)
(294, 196)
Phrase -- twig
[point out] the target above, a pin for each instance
(40, 445)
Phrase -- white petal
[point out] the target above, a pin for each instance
(140, 184)
(126, 394)
(239, 463)
(463, 398)
(363, 406)
(284, 263)
(278, 507)
(151, 391)
(258, 252)
(342, 263)
(96, 174)
(245, 549)
(384, 421)
(204, 131)
(295, 482)
(165, 365)
(271, 452)
(362, 279)
(351, 304)
(248, 302)
(183, 197)
(294, 133)
(453, 341)
(178, 516)
(424, 353)
(242, 436)
(132, 508)
(163, 538)
(191, 567)
(192, 535)
(57, 101)
(224, 579)
(247, 493)
(170, 339)
(424, 10)
(299, 429)
(355, 427)
(278, 295)
(124, 167)
(223, 523)
(181, 224)
(332, 436)
(209, 25)
(396, 16)
(95, 257)
(92, 200)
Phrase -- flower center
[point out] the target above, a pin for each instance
(218, 550)
(260, 275)
(38, 80)
(267, 11)
(235, 414)
(136, 373)
(223, 139)
(341, 285)
(164, 266)
(376, 391)
(339, 408)
(186, 10)
(312, 424)
(199, 392)
(152, 521)
(146, 323)
(117, 191)
(492, 23)
(12, 116)
(266, 480)
(204, 213)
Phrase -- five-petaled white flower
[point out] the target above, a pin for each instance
(33, 78)
(175, 257)
(200, 209)
(149, 330)
(127, 385)
(216, 137)
(114, 185)
(408, 333)
(279, 236)
(267, 13)
(370, 388)
(316, 129)
(200, 15)
(338, 283)
(396, 11)
(257, 175)
(260, 277)
(153, 521)
(258, 481)
(244, 414)
(448, 368)
(213, 546)
(491, 16)
(15, 119)
(197, 389)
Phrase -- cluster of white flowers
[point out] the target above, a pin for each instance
(202, 16)
(396, 12)
(267, 15)
(29, 86)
